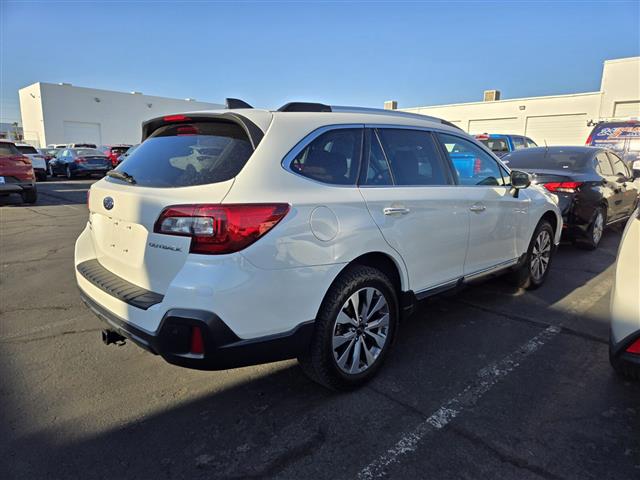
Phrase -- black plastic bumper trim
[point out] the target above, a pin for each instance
(223, 349)
(118, 287)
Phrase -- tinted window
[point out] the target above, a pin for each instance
(531, 143)
(26, 149)
(543, 158)
(473, 165)
(88, 152)
(619, 167)
(8, 149)
(183, 155)
(496, 144)
(378, 172)
(413, 157)
(604, 167)
(331, 158)
(518, 143)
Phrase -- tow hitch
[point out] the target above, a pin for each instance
(109, 337)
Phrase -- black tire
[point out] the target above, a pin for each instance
(68, 173)
(523, 276)
(41, 176)
(591, 240)
(29, 196)
(624, 369)
(318, 361)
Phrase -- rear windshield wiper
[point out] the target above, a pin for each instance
(121, 176)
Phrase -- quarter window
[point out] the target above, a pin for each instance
(473, 165)
(531, 143)
(604, 167)
(413, 157)
(331, 158)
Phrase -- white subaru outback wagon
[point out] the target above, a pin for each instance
(242, 236)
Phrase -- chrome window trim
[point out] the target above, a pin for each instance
(304, 143)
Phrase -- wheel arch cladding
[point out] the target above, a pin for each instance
(380, 261)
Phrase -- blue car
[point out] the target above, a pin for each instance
(72, 162)
(502, 144)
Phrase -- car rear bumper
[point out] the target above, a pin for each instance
(223, 349)
(16, 187)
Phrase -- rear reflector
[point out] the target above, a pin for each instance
(566, 187)
(219, 229)
(197, 345)
(634, 347)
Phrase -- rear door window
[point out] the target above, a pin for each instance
(182, 155)
(413, 157)
(619, 168)
(473, 165)
(531, 143)
(333, 157)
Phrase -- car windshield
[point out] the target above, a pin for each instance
(26, 149)
(189, 154)
(496, 144)
(88, 152)
(547, 159)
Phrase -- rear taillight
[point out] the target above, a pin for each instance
(176, 118)
(220, 229)
(634, 347)
(589, 139)
(565, 187)
(80, 160)
(25, 160)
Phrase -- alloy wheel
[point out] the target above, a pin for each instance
(361, 330)
(540, 255)
(598, 228)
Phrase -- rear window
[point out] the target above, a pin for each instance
(26, 149)
(548, 160)
(88, 152)
(8, 149)
(119, 150)
(183, 155)
(496, 144)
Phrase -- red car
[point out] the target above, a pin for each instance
(16, 173)
(114, 151)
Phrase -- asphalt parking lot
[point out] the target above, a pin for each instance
(488, 383)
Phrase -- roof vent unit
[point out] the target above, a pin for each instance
(391, 105)
(491, 96)
(236, 103)
(65, 84)
(136, 93)
(189, 99)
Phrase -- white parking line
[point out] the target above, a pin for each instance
(487, 378)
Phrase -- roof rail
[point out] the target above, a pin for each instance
(236, 103)
(305, 107)
(320, 107)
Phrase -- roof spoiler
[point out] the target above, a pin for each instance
(254, 133)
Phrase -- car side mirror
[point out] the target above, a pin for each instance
(520, 179)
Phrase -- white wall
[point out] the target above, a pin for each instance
(557, 119)
(59, 113)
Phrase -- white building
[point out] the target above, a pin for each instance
(555, 119)
(62, 113)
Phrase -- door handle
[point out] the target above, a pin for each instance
(477, 208)
(395, 211)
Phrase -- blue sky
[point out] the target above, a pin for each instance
(349, 53)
